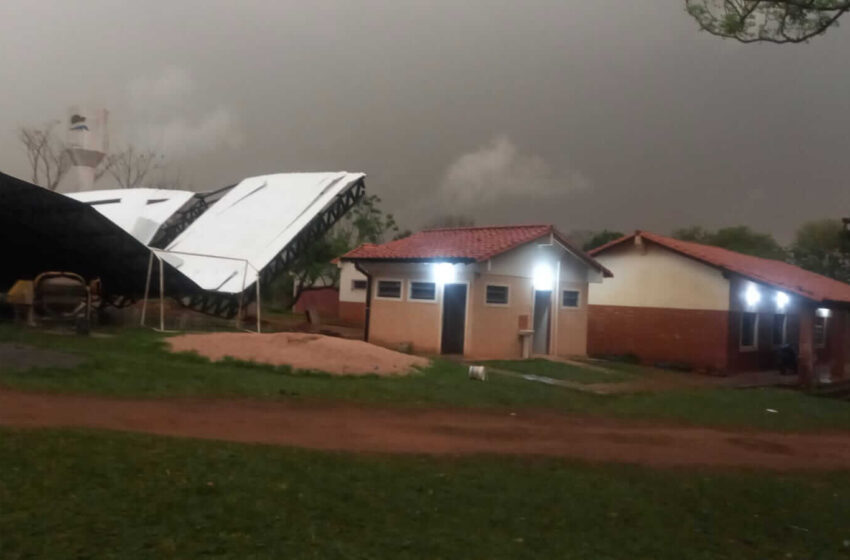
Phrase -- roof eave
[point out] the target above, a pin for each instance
(457, 260)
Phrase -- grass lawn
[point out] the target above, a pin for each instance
(564, 371)
(135, 363)
(84, 494)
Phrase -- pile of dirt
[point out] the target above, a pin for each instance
(300, 351)
(19, 356)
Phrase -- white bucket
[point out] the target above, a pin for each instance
(478, 373)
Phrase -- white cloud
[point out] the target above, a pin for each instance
(498, 171)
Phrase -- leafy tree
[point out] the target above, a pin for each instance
(823, 246)
(773, 21)
(364, 223)
(600, 238)
(740, 238)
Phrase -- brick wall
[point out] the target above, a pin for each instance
(323, 300)
(352, 312)
(698, 338)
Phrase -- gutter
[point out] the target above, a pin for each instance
(368, 299)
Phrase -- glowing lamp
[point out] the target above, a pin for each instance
(542, 277)
(752, 296)
(782, 300)
(823, 312)
(444, 273)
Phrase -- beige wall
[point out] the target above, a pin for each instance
(571, 335)
(652, 276)
(406, 321)
(417, 323)
(492, 331)
(348, 273)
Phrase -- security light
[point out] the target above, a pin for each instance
(444, 273)
(542, 277)
(782, 300)
(752, 295)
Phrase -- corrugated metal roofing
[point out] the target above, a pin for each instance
(139, 212)
(253, 222)
(782, 275)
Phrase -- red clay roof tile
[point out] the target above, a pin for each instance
(470, 244)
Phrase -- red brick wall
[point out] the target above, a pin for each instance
(764, 356)
(353, 312)
(694, 337)
(323, 300)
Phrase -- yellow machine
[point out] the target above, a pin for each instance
(53, 297)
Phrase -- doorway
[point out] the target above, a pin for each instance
(454, 318)
(542, 312)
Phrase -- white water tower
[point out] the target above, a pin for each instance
(87, 142)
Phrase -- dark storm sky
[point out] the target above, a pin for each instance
(581, 113)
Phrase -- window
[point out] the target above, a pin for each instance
(389, 289)
(569, 298)
(780, 321)
(358, 285)
(749, 330)
(820, 331)
(497, 295)
(424, 291)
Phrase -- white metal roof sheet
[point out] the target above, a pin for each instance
(251, 224)
(139, 212)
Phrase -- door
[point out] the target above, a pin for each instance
(542, 311)
(454, 318)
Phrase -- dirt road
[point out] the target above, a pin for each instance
(347, 427)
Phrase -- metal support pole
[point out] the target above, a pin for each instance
(147, 289)
(259, 304)
(241, 297)
(161, 296)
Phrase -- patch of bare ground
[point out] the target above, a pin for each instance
(300, 351)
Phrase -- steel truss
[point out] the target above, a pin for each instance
(227, 306)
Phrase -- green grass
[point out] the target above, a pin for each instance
(135, 363)
(563, 371)
(78, 494)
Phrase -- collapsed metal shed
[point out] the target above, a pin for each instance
(215, 251)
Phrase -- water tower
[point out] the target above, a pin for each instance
(86, 143)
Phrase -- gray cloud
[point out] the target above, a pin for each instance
(157, 117)
(671, 126)
(499, 171)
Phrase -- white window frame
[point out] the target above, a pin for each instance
(784, 330)
(821, 345)
(383, 298)
(356, 289)
(755, 344)
(410, 297)
(561, 299)
(498, 285)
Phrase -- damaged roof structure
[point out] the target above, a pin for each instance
(216, 247)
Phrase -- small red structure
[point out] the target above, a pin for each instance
(323, 300)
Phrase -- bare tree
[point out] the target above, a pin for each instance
(132, 167)
(49, 159)
(772, 21)
(45, 153)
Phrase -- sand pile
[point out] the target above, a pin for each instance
(301, 351)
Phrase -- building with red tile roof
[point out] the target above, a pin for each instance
(679, 302)
(490, 292)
